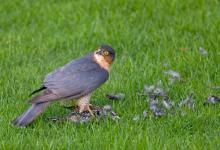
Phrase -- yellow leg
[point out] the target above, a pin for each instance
(85, 107)
(90, 111)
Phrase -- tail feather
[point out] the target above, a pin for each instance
(39, 103)
(28, 116)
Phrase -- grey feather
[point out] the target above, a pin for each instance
(28, 116)
(76, 78)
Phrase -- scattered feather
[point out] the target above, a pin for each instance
(212, 99)
(154, 90)
(114, 116)
(149, 89)
(154, 107)
(173, 76)
(107, 108)
(159, 112)
(159, 91)
(188, 101)
(167, 104)
(136, 118)
(145, 114)
(202, 51)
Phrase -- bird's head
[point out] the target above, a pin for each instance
(104, 55)
(107, 52)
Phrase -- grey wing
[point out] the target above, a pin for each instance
(76, 79)
(78, 84)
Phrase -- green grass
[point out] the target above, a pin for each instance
(38, 36)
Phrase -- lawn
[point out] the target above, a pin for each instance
(39, 36)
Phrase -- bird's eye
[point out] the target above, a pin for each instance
(106, 53)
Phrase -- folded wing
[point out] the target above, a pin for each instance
(75, 79)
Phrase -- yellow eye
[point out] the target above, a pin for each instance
(106, 53)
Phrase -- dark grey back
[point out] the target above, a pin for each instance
(77, 78)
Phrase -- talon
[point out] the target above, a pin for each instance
(83, 108)
(90, 111)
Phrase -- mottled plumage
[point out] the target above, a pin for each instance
(75, 80)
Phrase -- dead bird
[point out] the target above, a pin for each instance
(84, 117)
(79, 118)
(212, 99)
(118, 96)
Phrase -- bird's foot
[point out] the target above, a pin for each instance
(86, 107)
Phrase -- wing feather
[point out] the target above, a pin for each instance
(77, 78)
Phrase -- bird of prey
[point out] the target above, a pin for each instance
(74, 81)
